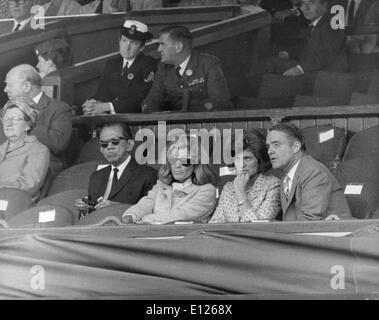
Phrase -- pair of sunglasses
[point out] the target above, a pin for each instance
(114, 141)
(186, 162)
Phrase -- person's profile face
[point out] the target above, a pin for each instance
(43, 66)
(281, 149)
(113, 145)
(20, 9)
(14, 85)
(167, 48)
(130, 48)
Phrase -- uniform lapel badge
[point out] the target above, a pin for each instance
(196, 81)
(130, 76)
(189, 73)
(133, 29)
(150, 77)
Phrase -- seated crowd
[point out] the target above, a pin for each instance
(37, 128)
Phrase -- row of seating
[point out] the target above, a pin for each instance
(355, 165)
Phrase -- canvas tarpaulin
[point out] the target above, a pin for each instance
(202, 263)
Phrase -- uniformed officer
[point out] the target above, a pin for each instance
(127, 79)
(186, 80)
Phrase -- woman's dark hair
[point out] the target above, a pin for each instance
(61, 57)
(254, 140)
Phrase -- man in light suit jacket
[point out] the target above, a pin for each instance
(309, 191)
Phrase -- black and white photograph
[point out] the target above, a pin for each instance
(189, 154)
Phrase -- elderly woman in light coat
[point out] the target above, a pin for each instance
(24, 161)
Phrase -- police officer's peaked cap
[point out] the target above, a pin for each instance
(135, 30)
(50, 45)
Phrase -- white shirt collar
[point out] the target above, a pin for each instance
(37, 98)
(23, 23)
(314, 23)
(121, 167)
(181, 186)
(129, 61)
(291, 173)
(183, 65)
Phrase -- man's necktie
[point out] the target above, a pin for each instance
(177, 71)
(351, 13)
(125, 69)
(18, 26)
(115, 178)
(286, 186)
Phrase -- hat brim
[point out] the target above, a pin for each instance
(136, 35)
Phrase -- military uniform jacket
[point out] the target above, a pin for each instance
(126, 89)
(202, 87)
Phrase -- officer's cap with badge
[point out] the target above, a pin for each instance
(136, 30)
(48, 46)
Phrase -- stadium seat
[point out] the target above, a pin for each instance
(251, 103)
(312, 101)
(65, 199)
(364, 144)
(358, 99)
(326, 143)
(98, 215)
(337, 86)
(90, 152)
(359, 179)
(373, 87)
(359, 62)
(45, 216)
(277, 86)
(46, 185)
(76, 177)
(12, 202)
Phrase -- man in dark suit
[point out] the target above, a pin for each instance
(187, 80)
(323, 49)
(54, 124)
(359, 13)
(126, 80)
(309, 191)
(20, 11)
(123, 180)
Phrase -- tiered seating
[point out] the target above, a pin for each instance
(326, 143)
(359, 179)
(329, 89)
(76, 177)
(12, 202)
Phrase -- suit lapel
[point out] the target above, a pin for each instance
(128, 173)
(191, 66)
(43, 102)
(286, 202)
(104, 176)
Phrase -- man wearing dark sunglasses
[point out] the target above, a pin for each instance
(123, 180)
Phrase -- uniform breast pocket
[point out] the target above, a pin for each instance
(198, 89)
